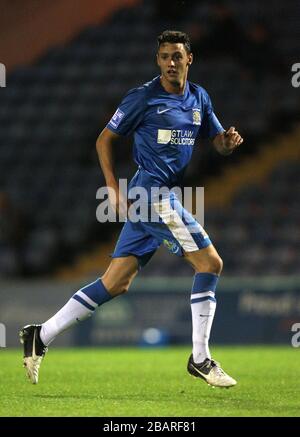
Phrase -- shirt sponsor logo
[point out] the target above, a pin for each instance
(175, 136)
(163, 136)
(116, 118)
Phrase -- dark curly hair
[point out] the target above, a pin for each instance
(174, 37)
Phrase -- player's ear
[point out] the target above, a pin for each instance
(190, 59)
(157, 59)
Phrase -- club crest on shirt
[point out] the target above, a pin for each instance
(196, 116)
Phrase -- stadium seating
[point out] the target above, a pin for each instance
(51, 113)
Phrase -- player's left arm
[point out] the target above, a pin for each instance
(227, 141)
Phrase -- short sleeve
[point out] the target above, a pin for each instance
(210, 126)
(129, 114)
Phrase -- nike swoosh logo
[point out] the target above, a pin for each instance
(200, 373)
(34, 356)
(161, 111)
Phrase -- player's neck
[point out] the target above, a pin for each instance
(173, 89)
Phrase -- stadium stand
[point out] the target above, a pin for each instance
(53, 110)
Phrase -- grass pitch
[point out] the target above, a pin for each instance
(151, 382)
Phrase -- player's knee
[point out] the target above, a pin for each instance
(216, 265)
(212, 264)
(119, 287)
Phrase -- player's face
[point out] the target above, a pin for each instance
(174, 63)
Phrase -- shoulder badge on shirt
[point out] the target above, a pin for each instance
(116, 118)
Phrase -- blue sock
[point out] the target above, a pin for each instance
(81, 306)
(203, 283)
(93, 295)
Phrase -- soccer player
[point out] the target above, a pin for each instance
(162, 115)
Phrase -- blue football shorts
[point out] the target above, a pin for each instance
(174, 227)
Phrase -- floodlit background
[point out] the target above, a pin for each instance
(68, 65)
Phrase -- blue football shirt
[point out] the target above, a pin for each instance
(165, 127)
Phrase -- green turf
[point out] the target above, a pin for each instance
(151, 382)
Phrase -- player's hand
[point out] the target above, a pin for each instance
(232, 139)
(122, 208)
(118, 203)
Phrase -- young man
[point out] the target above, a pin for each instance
(161, 114)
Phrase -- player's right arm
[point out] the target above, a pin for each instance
(123, 123)
(104, 146)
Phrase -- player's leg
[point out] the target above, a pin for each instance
(184, 236)
(133, 250)
(208, 266)
(116, 280)
(120, 274)
(35, 338)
